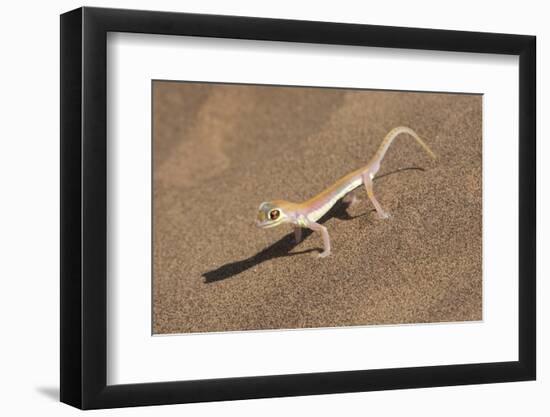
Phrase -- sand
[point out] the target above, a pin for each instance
(220, 150)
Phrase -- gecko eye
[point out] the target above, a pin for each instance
(274, 214)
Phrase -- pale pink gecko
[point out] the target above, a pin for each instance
(306, 214)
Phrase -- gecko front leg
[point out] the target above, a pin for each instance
(324, 233)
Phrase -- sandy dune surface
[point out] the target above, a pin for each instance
(220, 150)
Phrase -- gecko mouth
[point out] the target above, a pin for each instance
(266, 224)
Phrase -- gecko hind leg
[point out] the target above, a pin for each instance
(297, 234)
(367, 180)
(350, 199)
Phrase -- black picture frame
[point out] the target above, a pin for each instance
(84, 207)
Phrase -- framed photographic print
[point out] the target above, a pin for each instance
(258, 207)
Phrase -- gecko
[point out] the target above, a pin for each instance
(306, 215)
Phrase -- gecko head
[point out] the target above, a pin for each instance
(273, 213)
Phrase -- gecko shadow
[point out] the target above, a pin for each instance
(284, 246)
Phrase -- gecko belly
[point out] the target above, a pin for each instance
(323, 203)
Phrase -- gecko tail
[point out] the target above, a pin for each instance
(389, 139)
